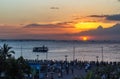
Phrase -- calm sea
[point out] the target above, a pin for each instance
(72, 49)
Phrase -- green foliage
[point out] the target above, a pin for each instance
(88, 76)
(13, 68)
(24, 65)
(77, 78)
(5, 52)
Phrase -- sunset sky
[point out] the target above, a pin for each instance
(60, 19)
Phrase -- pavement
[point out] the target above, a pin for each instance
(77, 73)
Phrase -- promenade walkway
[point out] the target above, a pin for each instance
(77, 73)
(69, 70)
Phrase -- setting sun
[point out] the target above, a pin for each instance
(84, 38)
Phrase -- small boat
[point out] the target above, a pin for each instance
(40, 49)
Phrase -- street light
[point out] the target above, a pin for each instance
(73, 53)
(37, 57)
(97, 58)
(21, 51)
(102, 53)
(66, 57)
(97, 61)
(46, 55)
(97, 64)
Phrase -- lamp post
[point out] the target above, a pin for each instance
(102, 52)
(37, 57)
(73, 53)
(46, 55)
(66, 57)
(97, 60)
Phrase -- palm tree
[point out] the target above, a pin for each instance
(5, 52)
(12, 68)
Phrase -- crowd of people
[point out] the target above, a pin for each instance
(100, 70)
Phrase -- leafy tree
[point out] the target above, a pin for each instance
(11, 67)
(5, 52)
(88, 76)
(12, 70)
(23, 65)
(17, 68)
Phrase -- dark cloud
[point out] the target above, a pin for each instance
(54, 7)
(65, 23)
(112, 33)
(115, 17)
(39, 26)
(99, 16)
(58, 25)
(47, 36)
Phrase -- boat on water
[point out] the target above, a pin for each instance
(40, 49)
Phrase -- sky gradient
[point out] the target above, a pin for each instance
(59, 19)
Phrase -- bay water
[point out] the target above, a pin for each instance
(58, 50)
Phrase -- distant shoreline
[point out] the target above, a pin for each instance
(89, 41)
